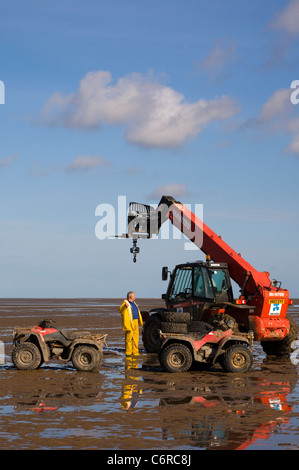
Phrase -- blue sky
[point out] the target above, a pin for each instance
(135, 98)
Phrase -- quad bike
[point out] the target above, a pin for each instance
(206, 345)
(42, 343)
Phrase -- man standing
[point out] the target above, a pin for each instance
(131, 320)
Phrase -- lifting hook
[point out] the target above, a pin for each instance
(135, 249)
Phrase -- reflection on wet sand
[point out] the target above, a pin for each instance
(50, 393)
(234, 415)
(132, 400)
(131, 388)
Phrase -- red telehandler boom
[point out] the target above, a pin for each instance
(204, 289)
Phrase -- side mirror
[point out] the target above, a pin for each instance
(164, 273)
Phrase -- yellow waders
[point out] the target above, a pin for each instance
(131, 327)
(132, 339)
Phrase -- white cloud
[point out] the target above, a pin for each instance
(219, 60)
(83, 163)
(278, 114)
(153, 114)
(288, 19)
(8, 160)
(172, 189)
(279, 103)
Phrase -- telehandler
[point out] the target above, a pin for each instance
(202, 291)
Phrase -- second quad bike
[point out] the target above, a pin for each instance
(41, 343)
(206, 345)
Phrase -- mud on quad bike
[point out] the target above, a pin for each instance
(206, 345)
(42, 343)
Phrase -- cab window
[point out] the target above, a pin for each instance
(202, 283)
(182, 284)
(219, 281)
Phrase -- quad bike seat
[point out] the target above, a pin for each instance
(72, 335)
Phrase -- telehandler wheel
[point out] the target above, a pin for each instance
(283, 347)
(176, 358)
(86, 358)
(236, 358)
(26, 356)
(150, 336)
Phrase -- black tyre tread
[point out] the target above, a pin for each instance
(95, 358)
(176, 317)
(283, 347)
(150, 337)
(33, 350)
(168, 327)
(224, 318)
(169, 351)
(226, 359)
(198, 326)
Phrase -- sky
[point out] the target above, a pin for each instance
(107, 102)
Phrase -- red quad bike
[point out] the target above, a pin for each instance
(206, 345)
(41, 343)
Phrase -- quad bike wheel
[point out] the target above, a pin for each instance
(86, 358)
(26, 356)
(176, 358)
(236, 358)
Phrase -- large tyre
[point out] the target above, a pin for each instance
(86, 358)
(176, 317)
(199, 326)
(173, 327)
(225, 322)
(150, 336)
(26, 356)
(236, 358)
(176, 358)
(282, 347)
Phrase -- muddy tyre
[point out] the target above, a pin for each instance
(198, 326)
(26, 356)
(86, 358)
(225, 322)
(283, 347)
(173, 327)
(150, 336)
(176, 317)
(176, 358)
(236, 358)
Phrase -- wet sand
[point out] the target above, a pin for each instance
(133, 404)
